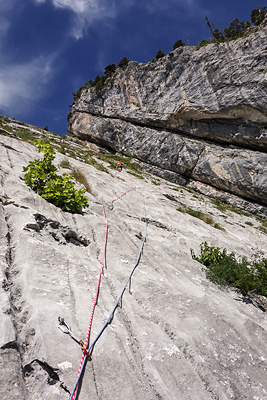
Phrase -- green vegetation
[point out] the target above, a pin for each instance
(7, 128)
(113, 159)
(139, 235)
(65, 164)
(257, 15)
(136, 175)
(200, 215)
(263, 227)
(100, 82)
(79, 176)
(263, 222)
(236, 28)
(59, 190)
(249, 223)
(224, 269)
(159, 54)
(24, 135)
(220, 205)
(123, 63)
(110, 69)
(204, 43)
(178, 43)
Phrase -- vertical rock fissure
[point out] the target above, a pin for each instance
(12, 352)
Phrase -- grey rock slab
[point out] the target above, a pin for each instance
(177, 335)
(237, 170)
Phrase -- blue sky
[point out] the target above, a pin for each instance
(49, 48)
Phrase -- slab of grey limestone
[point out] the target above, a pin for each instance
(175, 336)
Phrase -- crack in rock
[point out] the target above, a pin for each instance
(11, 345)
(60, 233)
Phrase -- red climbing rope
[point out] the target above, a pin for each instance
(85, 346)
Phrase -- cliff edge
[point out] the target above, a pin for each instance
(198, 114)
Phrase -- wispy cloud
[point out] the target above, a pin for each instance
(85, 12)
(88, 12)
(22, 81)
(5, 7)
(22, 84)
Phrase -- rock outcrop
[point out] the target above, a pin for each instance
(175, 336)
(199, 113)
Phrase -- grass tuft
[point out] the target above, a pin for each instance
(79, 176)
(202, 216)
(65, 164)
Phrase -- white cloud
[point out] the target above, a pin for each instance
(86, 12)
(23, 84)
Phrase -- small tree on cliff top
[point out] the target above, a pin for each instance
(159, 54)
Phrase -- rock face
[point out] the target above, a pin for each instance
(175, 335)
(200, 113)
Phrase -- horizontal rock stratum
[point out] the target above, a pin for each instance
(175, 335)
(200, 113)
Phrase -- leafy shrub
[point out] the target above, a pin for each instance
(224, 269)
(59, 190)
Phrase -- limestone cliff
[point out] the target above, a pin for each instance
(198, 113)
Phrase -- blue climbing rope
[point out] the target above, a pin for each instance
(110, 317)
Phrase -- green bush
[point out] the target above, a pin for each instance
(123, 63)
(159, 54)
(257, 15)
(235, 29)
(178, 43)
(110, 69)
(204, 43)
(224, 269)
(59, 190)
